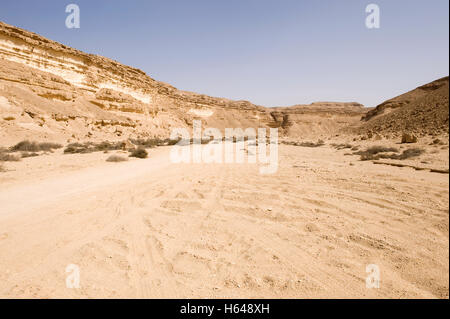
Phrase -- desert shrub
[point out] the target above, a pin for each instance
(9, 118)
(90, 147)
(27, 154)
(139, 153)
(342, 146)
(412, 152)
(381, 149)
(173, 142)
(116, 158)
(437, 142)
(74, 148)
(305, 144)
(379, 153)
(27, 146)
(107, 146)
(311, 144)
(153, 142)
(6, 157)
(373, 153)
(49, 146)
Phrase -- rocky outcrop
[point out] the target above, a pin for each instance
(422, 111)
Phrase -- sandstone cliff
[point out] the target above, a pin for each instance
(51, 91)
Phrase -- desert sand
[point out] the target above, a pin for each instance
(152, 229)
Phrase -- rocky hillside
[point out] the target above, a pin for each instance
(422, 111)
(51, 91)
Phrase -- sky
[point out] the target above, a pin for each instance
(272, 53)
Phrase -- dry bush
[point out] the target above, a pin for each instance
(379, 152)
(412, 152)
(342, 146)
(27, 154)
(90, 147)
(371, 153)
(305, 144)
(153, 142)
(139, 153)
(381, 149)
(312, 144)
(9, 118)
(27, 146)
(116, 158)
(6, 157)
(437, 142)
(74, 148)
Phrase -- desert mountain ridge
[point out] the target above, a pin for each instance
(51, 91)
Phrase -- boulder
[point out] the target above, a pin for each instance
(409, 138)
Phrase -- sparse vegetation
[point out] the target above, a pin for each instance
(116, 158)
(154, 142)
(140, 152)
(9, 118)
(6, 157)
(90, 147)
(342, 146)
(27, 146)
(437, 142)
(312, 144)
(381, 152)
(27, 154)
(305, 144)
(412, 152)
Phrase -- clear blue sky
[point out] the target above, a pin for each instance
(269, 52)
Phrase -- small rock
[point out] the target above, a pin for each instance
(409, 138)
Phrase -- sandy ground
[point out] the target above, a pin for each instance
(152, 229)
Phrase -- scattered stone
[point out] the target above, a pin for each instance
(409, 138)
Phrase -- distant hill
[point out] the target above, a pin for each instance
(423, 111)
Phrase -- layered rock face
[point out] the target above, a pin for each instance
(51, 91)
